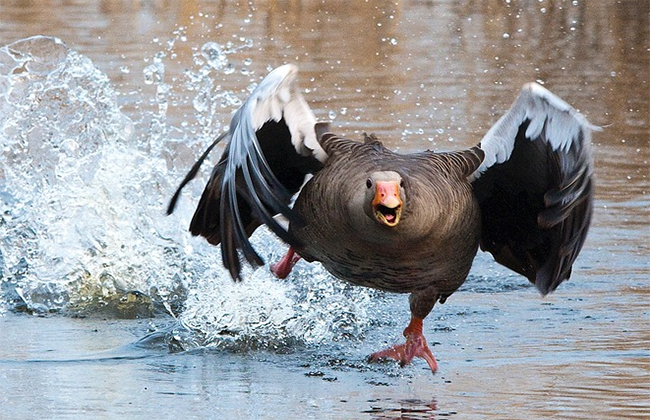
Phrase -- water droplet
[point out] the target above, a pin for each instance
(332, 114)
(201, 102)
(154, 73)
(214, 55)
(230, 100)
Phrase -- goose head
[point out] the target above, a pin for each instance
(385, 197)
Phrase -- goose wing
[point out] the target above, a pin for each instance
(272, 148)
(535, 187)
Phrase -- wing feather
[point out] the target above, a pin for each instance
(272, 147)
(535, 187)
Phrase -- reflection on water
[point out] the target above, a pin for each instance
(421, 74)
(405, 409)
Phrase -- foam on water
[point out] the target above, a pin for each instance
(82, 229)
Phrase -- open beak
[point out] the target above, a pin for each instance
(387, 204)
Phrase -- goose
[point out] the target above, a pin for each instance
(403, 223)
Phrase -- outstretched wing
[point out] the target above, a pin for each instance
(535, 187)
(272, 147)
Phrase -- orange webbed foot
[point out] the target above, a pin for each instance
(415, 346)
(282, 268)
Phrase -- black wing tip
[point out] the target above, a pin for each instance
(172, 203)
(550, 276)
(191, 174)
(545, 289)
(233, 262)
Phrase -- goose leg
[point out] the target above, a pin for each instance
(282, 268)
(415, 346)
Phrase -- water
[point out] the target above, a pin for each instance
(110, 308)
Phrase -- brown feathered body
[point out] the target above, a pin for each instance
(429, 253)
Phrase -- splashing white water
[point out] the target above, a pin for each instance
(83, 197)
(81, 204)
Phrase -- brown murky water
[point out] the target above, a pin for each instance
(420, 74)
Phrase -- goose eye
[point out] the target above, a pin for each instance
(401, 183)
(368, 183)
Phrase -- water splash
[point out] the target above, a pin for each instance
(82, 228)
(265, 312)
(81, 205)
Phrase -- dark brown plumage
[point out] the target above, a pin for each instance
(424, 244)
(402, 223)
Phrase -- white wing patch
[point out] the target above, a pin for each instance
(546, 112)
(277, 96)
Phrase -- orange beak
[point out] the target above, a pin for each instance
(387, 204)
